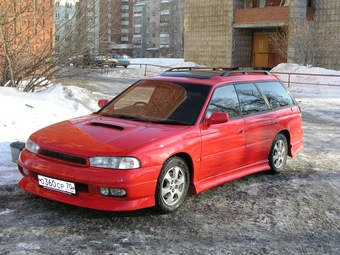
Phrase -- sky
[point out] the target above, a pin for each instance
(23, 113)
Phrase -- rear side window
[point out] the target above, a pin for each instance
(251, 100)
(225, 100)
(276, 94)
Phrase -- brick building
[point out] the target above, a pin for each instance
(105, 25)
(27, 29)
(237, 33)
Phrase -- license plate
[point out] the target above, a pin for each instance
(57, 185)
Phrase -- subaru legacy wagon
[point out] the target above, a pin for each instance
(183, 131)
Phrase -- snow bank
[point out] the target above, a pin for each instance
(23, 113)
(307, 75)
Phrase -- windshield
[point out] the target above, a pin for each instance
(159, 102)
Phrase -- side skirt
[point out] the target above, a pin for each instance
(222, 178)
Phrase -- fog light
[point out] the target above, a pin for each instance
(118, 192)
(112, 192)
(104, 191)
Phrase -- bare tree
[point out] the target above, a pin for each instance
(304, 42)
(36, 49)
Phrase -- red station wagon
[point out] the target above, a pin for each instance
(186, 130)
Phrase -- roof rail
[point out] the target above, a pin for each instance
(245, 72)
(174, 69)
(207, 72)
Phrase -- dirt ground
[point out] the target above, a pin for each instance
(296, 212)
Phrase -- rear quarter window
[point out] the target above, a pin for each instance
(277, 95)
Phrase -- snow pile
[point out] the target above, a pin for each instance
(23, 113)
(307, 75)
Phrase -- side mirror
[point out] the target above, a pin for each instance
(102, 102)
(216, 118)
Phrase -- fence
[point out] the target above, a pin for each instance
(105, 68)
(307, 79)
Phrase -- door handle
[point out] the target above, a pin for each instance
(240, 131)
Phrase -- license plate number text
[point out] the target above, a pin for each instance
(57, 185)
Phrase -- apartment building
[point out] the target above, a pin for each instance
(238, 33)
(65, 22)
(153, 28)
(158, 28)
(93, 26)
(115, 17)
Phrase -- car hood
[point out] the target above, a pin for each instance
(94, 135)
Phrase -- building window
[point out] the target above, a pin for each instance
(137, 30)
(137, 20)
(137, 41)
(137, 9)
(164, 40)
(164, 30)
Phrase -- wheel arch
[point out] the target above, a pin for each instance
(286, 133)
(188, 160)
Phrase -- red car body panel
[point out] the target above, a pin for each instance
(215, 153)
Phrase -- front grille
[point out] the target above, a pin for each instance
(63, 157)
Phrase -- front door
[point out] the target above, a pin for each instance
(260, 50)
(223, 145)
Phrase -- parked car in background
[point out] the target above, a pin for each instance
(115, 60)
(88, 61)
(186, 130)
(99, 60)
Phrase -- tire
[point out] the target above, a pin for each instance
(172, 185)
(278, 154)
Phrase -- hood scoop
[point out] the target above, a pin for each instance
(106, 125)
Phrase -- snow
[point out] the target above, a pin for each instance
(23, 113)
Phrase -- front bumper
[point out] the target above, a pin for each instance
(139, 184)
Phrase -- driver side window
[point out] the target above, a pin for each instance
(225, 99)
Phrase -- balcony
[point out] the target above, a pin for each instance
(267, 17)
(165, 12)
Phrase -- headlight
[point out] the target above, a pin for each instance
(32, 146)
(115, 162)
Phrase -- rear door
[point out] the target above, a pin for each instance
(260, 121)
(223, 145)
(287, 111)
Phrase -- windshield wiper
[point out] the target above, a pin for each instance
(126, 117)
(176, 122)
